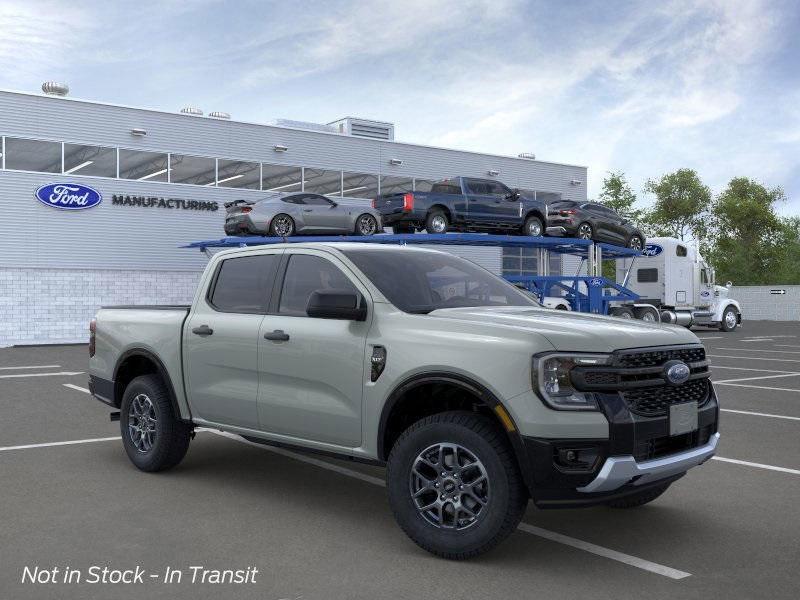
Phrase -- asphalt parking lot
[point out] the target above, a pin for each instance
(319, 528)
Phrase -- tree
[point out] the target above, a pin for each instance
(681, 206)
(618, 195)
(751, 244)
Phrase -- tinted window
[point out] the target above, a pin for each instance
(497, 189)
(299, 199)
(144, 166)
(278, 178)
(197, 170)
(33, 155)
(238, 174)
(90, 160)
(243, 284)
(478, 187)
(647, 275)
(421, 281)
(446, 187)
(305, 275)
(680, 251)
(317, 200)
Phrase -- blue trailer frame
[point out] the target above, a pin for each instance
(585, 293)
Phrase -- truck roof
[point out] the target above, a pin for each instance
(330, 245)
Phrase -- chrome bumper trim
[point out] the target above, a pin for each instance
(619, 470)
(556, 231)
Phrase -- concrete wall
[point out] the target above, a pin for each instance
(759, 304)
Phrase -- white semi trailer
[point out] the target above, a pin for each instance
(672, 277)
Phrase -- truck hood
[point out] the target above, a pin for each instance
(570, 331)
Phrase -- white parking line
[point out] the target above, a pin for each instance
(749, 358)
(759, 377)
(31, 367)
(16, 375)
(758, 414)
(77, 388)
(787, 346)
(760, 350)
(757, 387)
(757, 465)
(711, 337)
(751, 369)
(51, 444)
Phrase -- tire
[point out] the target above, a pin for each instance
(405, 228)
(639, 499)
(561, 307)
(533, 227)
(163, 449)
(647, 314)
(503, 491)
(623, 312)
(585, 231)
(437, 222)
(730, 319)
(635, 242)
(366, 225)
(282, 225)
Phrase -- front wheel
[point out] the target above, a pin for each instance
(585, 231)
(533, 227)
(436, 222)
(639, 499)
(454, 484)
(729, 319)
(154, 437)
(635, 242)
(366, 225)
(282, 226)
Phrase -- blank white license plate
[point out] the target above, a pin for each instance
(682, 418)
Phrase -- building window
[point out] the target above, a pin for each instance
(90, 160)
(143, 166)
(321, 181)
(196, 170)
(359, 185)
(525, 261)
(238, 174)
(396, 185)
(280, 178)
(33, 155)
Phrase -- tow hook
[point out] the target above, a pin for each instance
(114, 416)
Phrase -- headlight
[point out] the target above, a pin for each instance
(551, 380)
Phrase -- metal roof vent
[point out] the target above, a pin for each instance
(375, 130)
(53, 88)
(192, 110)
(219, 115)
(302, 125)
(527, 155)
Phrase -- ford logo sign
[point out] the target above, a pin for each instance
(595, 282)
(68, 196)
(676, 372)
(652, 250)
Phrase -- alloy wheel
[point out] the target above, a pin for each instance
(585, 231)
(283, 226)
(367, 225)
(534, 228)
(449, 486)
(730, 319)
(635, 243)
(142, 423)
(439, 224)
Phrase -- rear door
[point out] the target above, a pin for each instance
(220, 340)
(312, 380)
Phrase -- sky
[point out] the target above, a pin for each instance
(639, 87)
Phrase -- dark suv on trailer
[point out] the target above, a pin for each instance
(593, 221)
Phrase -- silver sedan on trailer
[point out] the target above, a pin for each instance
(285, 215)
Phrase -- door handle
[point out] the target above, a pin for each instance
(277, 336)
(307, 210)
(202, 330)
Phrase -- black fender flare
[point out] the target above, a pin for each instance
(469, 385)
(160, 369)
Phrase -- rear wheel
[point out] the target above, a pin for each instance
(585, 231)
(155, 439)
(366, 225)
(729, 319)
(454, 484)
(639, 499)
(635, 242)
(533, 227)
(436, 222)
(623, 312)
(282, 225)
(650, 315)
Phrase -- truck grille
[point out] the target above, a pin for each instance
(656, 358)
(664, 446)
(655, 401)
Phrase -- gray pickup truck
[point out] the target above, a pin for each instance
(475, 397)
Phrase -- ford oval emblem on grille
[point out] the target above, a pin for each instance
(676, 372)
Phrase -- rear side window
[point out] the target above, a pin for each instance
(647, 275)
(243, 284)
(446, 187)
(306, 274)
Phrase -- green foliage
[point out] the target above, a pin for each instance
(681, 206)
(618, 195)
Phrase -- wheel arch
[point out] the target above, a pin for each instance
(139, 361)
(444, 208)
(403, 401)
(535, 212)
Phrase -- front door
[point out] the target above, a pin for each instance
(221, 338)
(324, 215)
(480, 202)
(312, 371)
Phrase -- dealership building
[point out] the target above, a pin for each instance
(161, 180)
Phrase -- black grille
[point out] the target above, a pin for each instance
(664, 446)
(601, 378)
(654, 401)
(655, 358)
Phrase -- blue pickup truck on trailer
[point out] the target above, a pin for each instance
(464, 204)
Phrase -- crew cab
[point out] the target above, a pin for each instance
(474, 396)
(464, 204)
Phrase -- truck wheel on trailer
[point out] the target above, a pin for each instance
(436, 222)
(729, 319)
(623, 312)
(533, 227)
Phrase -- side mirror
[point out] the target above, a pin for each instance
(336, 304)
(513, 196)
(729, 284)
(334, 204)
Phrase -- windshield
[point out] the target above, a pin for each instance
(422, 281)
